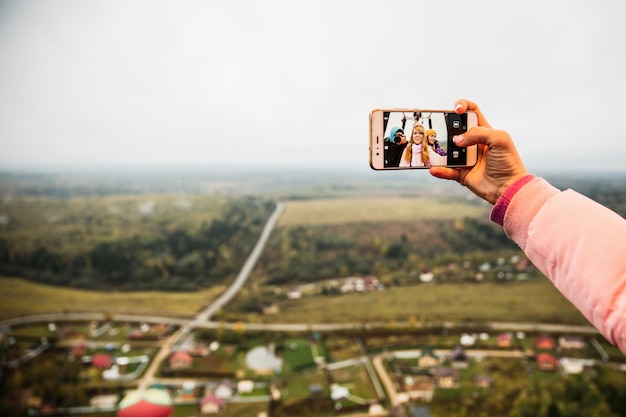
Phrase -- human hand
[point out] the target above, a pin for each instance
(498, 164)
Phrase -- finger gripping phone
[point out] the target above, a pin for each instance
(415, 138)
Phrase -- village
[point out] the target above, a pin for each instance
(229, 368)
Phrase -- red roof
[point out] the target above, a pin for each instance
(145, 408)
(102, 361)
(149, 403)
(181, 356)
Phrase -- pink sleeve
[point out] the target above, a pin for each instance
(580, 246)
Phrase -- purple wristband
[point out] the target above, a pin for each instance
(499, 209)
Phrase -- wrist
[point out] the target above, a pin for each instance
(504, 199)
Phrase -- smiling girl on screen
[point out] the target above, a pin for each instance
(413, 155)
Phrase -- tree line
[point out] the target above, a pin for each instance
(314, 253)
(159, 248)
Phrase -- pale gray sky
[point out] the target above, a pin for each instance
(245, 83)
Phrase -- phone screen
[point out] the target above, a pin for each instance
(420, 139)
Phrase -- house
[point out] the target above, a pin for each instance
(467, 340)
(505, 340)
(459, 358)
(571, 342)
(294, 293)
(575, 366)
(212, 404)
(427, 276)
(547, 362)
(371, 283)
(545, 342)
(245, 386)
(419, 388)
(199, 349)
(225, 390)
(337, 392)
(180, 360)
(102, 361)
(428, 359)
(446, 377)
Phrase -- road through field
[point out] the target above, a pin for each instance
(245, 270)
(214, 306)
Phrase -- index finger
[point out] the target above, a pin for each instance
(463, 105)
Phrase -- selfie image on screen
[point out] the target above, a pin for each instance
(423, 139)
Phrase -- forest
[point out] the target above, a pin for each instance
(129, 242)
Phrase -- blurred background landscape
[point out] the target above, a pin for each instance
(394, 260)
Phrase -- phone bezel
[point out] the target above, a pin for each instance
(376, 139)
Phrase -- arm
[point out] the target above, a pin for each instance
(576, 242)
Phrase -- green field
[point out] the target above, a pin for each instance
(19, 297)
(525, 301)
(376, 210)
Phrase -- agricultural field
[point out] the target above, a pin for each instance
(525, 301)
(20, 297)
(366, 209)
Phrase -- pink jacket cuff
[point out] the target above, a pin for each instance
(499, 209)
(518, 205)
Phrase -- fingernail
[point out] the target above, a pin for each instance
(458, 106)
(458, 139)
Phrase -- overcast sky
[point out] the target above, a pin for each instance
(291, 83)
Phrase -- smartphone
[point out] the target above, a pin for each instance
(414, 138)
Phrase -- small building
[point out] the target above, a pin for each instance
(571, 342)
(446, 377)
(212, 404)
(180, 360)
(459, 358)
(419, 388)
(428, 359)
(225, 389)
(337, 392)
(545, 342)
(547, 362)
(505, 340)
(294, 293)
(102, 361)
(245, 386)
(152, 402)
(574, 365)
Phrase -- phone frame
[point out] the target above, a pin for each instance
(377, 139)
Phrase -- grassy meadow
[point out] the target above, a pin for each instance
(534, 300)
(20, 297)
(376, 209)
